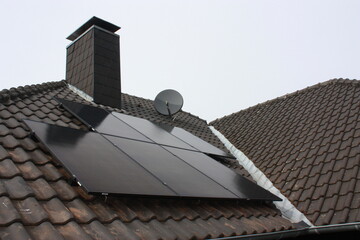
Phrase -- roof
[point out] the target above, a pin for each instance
(307, 144)
(37, 202)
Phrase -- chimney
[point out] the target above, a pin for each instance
(93, 61)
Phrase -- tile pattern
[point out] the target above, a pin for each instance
(80, 63)
(307, 143)
(37, 202)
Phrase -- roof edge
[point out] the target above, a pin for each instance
(320, 84)
(287, 209)
(29, 90)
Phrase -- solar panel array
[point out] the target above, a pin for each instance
(132, 156)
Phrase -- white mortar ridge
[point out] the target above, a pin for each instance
(287, 209)
(80, 93)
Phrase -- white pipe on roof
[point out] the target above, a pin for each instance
(287, 209)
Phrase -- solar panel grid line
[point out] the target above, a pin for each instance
(89, 162)
(153, 131)
(193, 188)
(200, 141)
(147, 170)
(73, 107)
(100, 120)
(204, 173)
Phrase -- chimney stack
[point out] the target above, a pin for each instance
(93, 61)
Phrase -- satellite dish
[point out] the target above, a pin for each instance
(168, 102)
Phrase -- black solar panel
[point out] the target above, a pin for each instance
(101, 120)
(129, 155)
(153, 131)
(194, 141)
(122, 125)
(173, 171)
(105, 164)
(95, 163)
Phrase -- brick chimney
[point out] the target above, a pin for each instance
(93, 61)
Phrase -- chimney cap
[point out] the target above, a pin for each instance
(93, 21)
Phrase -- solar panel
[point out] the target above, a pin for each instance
(95, 163)
(126, 151)
(153, 131)
(233, 182)
(101, 120)
(126, 126)
(105, 164)
(176, 173)
(194, 141)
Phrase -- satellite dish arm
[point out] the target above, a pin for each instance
(167, 106)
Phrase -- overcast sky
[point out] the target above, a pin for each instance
(222, 56)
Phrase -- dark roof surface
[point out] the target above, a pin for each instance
(37, 202)
(307, 144)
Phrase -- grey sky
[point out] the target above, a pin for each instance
(222, 56)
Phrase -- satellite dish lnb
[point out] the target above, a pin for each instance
(168, 102)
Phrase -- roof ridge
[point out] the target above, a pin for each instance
(28, 90)
(320, 84)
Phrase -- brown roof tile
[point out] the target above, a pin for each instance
(42, 189)
(82, 213)
(8, 213)
(44, 231)
(8, 169)
(39, 202)
(14, 231)
(17, 188)
(308, 146)
(73, 231)
(97, 231)
(31, 211)
(29, 171)
(19, 155)
(64, 190)
(57, 211)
